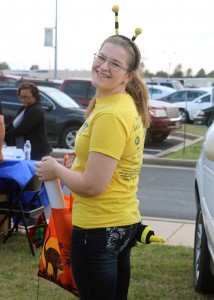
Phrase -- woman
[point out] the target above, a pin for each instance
(29, 123)
(105, 173)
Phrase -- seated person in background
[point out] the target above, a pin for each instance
(2, 132)
(29, 123)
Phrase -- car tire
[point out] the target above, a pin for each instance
(69, 136)
(203, 278)
(159, 137)
(185, 115)
(147, 137)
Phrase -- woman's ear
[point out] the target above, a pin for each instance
(129, 76)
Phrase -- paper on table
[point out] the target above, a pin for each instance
(55, 194)
(13, 153)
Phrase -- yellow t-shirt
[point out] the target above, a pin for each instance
(114, 128)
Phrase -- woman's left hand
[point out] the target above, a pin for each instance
(45, 169)
(69, 159)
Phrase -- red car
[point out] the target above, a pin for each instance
(165, 117)
(8, 80)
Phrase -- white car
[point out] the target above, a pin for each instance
(156, 91)
(204, 229)
(174, 84)
(190, 108)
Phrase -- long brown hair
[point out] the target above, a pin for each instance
(136, 87)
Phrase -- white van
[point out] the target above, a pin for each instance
(204, 229)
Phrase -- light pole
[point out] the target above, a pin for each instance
(169, 62)
(55, 58)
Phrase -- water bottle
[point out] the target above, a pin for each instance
(27, 150)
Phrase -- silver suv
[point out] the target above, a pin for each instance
(174, 84)
(204, 230)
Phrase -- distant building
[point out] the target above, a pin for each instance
(66, 74)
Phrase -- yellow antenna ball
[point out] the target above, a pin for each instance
(138, 31)
(115, 8)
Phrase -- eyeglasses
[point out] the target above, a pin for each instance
(112, 64)
(24, 97)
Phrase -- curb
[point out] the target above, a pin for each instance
(58, 154)
(191, 222)
(158, 159)
(169, 162)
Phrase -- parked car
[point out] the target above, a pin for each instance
(157, 92)
(41, 82)
(6, 80)
(184, 95)
(204, 116)
(79, 89)
(204, 228)
(63, 115)
(165, 117)
(189, 108)
(171, 83)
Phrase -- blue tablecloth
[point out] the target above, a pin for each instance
(15, 174)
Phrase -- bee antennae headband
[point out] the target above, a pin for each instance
(138, 31)
(115, 9)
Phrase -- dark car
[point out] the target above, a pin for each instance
(204, 117)
(41, 82)
(63, 115)
(184, 95)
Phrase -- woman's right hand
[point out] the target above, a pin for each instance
(1, 157)
(69, 159)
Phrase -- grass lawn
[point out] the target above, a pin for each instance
(192, 151)
(158, 272)
(199, 130)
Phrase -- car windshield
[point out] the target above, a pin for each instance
(61, 98)
(178, 85)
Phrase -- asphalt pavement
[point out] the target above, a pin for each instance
(176, 232)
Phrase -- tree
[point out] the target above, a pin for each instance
(142, 65)
(148, 74)
(189, 72)
(201, 73)
(178, 71)
(34, 67)
(4, 66)
(211, 74)
(161, 74)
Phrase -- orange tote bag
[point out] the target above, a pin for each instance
(55, 262)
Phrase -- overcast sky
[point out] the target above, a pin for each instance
(174, 31)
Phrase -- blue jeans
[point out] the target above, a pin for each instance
(101, 261)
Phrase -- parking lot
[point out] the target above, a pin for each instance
(158, 149)
(175, 139)
(154, 148)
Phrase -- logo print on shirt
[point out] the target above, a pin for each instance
(137, 140)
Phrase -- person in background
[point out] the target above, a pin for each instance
(2, 132)
(29, 123)
(104, 175)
